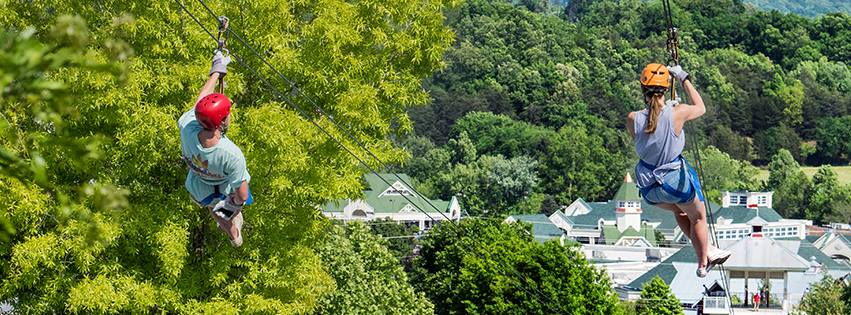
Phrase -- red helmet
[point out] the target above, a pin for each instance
(212, 109)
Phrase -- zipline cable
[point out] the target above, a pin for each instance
(294, 87)
(673, 50)
(337, 141)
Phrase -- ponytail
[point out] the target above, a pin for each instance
(654, 109)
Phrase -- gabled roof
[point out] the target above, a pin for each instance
(542, 229)
(564, 217)
(808, 251)
(612, 235)
(822, 241)
(666, 269)
(606, 211)
(767, 253)
(389, 203)
(764, 253)
(741, 214)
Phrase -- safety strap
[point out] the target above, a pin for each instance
(684, 196)
(215, 195)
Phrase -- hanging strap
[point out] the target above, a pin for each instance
(222, 45)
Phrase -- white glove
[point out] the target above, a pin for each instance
(678, 73)
(220, 63)
(673, 102)
(227, 208)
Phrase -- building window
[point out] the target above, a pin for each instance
(743, 200)
(762, 200)
(621, 204)
(359, 213)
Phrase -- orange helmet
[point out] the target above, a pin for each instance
(655, 75)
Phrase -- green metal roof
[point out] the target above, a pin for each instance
(627, 192)
(390, 203)
(612, 235)
(812, 238)
(542, 229)
(741, 214)
(666, 269)
(606, 211)
(807, 250)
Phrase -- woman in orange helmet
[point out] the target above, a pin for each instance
(664, 177)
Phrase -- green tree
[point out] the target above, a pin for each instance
(824, 298)
(657, 299)
(398, 236)
(363, 62)
(491, 184)
(769, 141)
(368, 277)
(789, 183)
(726, 140)
(823, 196)
(832, 141)
(723, 173)
(486, 267)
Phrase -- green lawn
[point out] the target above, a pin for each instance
(844, 173)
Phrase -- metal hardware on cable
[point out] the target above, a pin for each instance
(222, 45)
(673, 44)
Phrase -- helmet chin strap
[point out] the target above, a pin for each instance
(224, 128)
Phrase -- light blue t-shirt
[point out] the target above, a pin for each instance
(222, 164)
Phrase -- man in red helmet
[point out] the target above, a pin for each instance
(218, 178)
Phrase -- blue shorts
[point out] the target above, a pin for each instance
(679, 186)
(216, 195)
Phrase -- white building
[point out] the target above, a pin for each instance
(396, 202)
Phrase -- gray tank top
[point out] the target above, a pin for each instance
(663, 145)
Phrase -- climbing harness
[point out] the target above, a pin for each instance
(535, 292)
(686, 171)
(673, 49)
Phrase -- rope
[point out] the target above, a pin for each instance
(337, 141)
(673, 49)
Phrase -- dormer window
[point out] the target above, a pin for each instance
(738, 200)
(762, 201)
(397, 189)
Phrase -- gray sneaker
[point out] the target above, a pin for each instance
(236, 224)
(716, 257)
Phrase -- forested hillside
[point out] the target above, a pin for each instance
(803, 7)
(525, 81)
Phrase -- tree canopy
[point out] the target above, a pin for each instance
(473, 268)
(95, 213)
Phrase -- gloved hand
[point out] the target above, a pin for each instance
(227, 208)
(678, 73)
(220, 63)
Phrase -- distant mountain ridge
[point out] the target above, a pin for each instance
(803, 7)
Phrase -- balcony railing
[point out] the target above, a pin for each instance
(715, 305)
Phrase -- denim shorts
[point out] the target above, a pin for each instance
(678, 186)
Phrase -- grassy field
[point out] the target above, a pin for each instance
(843, 172)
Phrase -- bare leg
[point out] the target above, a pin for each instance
(696, 212)
(682, 219)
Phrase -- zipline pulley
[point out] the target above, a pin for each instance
(221, 43)
(673, 44)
